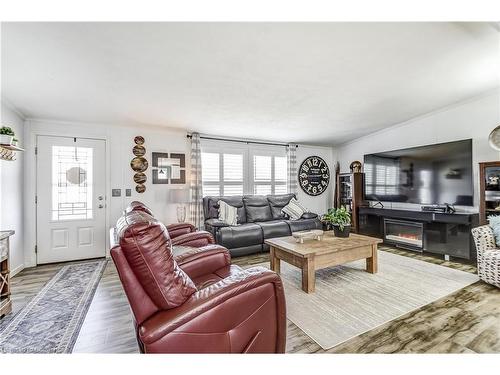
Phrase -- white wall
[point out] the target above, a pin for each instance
(320, 203)
(119, 144)
(11, 191)
(474, 119)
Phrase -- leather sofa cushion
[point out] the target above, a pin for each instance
(257, 208)
(138, 206)
(206, 280)
(242, 235)
(211, 207)
(277, 202)
(304, 224)
(146, 245)
(275, 228)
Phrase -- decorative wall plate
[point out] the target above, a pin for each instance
(140, 188)
(314, 175)
(139, 164)
(494, 138)
(139, 150)
(140, 178)
(139, 140)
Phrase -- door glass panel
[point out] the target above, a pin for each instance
(72, 183)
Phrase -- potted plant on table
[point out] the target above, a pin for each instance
(6, 135)
(340, 219)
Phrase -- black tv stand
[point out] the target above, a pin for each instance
(441, 208)
(434, 232)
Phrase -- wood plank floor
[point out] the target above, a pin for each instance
(467, 321)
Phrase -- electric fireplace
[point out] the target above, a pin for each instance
(405, 234)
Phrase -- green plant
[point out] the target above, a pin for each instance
(5, 130)
(339, 216)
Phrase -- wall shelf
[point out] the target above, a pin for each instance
(8, 152)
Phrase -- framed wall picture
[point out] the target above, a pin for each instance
(169, 168)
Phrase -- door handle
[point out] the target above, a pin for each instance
(100, 197)
(101, 206)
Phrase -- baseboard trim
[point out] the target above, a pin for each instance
(16, 270)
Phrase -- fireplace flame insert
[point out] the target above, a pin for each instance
(405, 234)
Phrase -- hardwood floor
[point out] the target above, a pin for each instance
(467, 321)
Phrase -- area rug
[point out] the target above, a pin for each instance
(51, 321)
(349, 301)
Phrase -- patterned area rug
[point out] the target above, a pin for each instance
(51, 321)
(349, 301)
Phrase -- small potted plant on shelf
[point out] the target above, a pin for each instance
(340, 219)
(6, 135)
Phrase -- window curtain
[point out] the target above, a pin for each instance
(195, 186)
(291, 156)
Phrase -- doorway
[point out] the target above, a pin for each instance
(70, 199)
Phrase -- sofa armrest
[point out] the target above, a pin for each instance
(178, 229)
(194, 239)
(259, 285)
(309, 215)
(204, 260)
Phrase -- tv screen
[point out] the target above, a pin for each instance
(433, 174)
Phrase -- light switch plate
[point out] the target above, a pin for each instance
(116, 192)
(128, 192)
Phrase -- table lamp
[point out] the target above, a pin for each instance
(181, 197)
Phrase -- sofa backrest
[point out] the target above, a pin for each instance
(277, 202)
(257, 208)
(138, 206)
(146, 246)
(211, 207)
(262, 208)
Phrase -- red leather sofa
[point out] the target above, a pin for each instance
(195, 301)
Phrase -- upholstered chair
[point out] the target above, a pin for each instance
(195, 302)
(488, 255)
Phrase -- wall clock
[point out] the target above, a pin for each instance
(314, 175)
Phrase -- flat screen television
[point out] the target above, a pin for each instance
(433, 174)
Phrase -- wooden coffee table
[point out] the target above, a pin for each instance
(314, 255)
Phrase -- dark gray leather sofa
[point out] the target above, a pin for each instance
(259, 218)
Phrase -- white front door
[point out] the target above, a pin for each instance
(71, 201)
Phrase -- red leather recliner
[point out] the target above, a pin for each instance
(195, 302)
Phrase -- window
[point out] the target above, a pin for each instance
(229, 169)
(222, 173)
(269, 174)
(382, 179)
(71, 183)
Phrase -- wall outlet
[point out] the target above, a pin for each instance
(128, 192)
(116, 192)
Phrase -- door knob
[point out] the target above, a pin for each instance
(101, 206)
(100, 197)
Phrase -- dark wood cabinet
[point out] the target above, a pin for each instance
(350, 195)
(489, 190)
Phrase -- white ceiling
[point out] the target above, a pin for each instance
(322, 83)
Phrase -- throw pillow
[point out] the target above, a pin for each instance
(494, 222)
(294, 209)
(227, 214)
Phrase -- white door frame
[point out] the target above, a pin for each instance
(34, 128)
